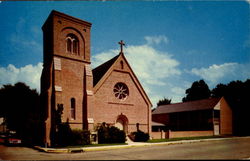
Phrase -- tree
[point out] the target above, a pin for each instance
(237, 94)
(219, 91)
(199, 90)
(164, 101)
(20, 108)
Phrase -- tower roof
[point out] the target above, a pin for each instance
(63, 15)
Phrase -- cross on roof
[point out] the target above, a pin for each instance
(121, 45)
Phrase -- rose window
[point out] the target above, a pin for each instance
(121, 91)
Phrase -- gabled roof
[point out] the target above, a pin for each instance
(204, 104)
(103, 71)
(99, 71)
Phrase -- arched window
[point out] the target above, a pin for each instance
(75, 46)
(121, 64)
(72, 44)
(69, 45)
(73, 108)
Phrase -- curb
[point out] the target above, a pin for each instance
(54, 150)
(85, 149)
(114, 147)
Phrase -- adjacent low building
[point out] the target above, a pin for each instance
(211, 116)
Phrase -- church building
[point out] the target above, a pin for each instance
(110, 93)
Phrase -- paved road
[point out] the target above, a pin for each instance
(223, 149)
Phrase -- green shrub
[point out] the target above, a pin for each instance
(103, 134)
(111, 134)
(80, 137)
(116, 135)
(140, 136)
(63, 135)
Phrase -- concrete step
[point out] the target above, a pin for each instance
(129, 141)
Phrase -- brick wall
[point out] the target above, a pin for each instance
(107, 108)
(177, 134)
(225, 118)
(158, 135)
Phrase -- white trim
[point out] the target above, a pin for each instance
(89, 92)
(58, 88)
(57, 63)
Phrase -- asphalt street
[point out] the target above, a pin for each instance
(237, 148)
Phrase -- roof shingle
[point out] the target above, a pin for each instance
(100, 71)
(187, 106)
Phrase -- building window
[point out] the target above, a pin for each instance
(69, 44)
(72, 44)
(73, 108)
(121, 91)
(121, 64)
(217, 114)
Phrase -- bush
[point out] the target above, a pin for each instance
(111, 134)
(65, 136)
(116, 135)
(80, 137)
(103, 134)
(140, 136)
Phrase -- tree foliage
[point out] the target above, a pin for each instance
(237, 94)
(198, 90)
(164, 101)
(20, 107)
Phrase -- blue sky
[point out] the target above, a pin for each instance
(169, 44)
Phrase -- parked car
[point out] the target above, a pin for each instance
(12, 140)
(2, 138)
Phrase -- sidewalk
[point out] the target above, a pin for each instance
(130, 144)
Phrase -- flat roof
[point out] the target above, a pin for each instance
(156, 124)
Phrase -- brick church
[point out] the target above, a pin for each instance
(110, 93)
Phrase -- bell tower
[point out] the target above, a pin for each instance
(66, 79)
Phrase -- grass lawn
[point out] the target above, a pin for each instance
(183, 138)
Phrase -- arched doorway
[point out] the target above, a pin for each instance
(122, 123)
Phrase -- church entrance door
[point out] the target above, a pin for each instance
(122, 123)
(119, 124)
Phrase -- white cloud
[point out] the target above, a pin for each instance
(177, 93)
(156, 39)
(28, 74)
(215, 74)
(146, 62)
